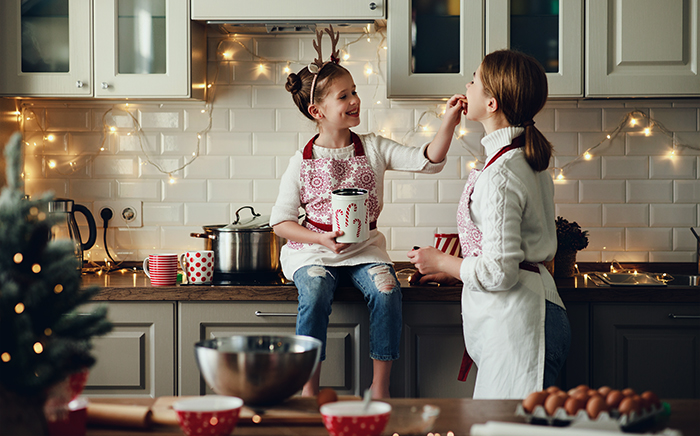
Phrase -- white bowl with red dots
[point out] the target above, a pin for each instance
(348, 418)
(208, 415)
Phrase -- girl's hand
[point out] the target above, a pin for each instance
(454, 108)
(327, 239)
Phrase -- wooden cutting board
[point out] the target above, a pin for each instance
(295, 410)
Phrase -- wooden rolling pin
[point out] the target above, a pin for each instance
(119, 415)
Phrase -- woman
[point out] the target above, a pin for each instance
(515, 325)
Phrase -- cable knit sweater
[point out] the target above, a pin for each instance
(382, 154)
(513, 206)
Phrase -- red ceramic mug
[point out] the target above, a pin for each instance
(161, 269)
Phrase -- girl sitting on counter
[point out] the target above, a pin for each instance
(515, 326)
(338, 158)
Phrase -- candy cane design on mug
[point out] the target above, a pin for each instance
(350, 214)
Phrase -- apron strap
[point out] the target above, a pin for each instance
(359, 149)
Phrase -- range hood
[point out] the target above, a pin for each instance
(282, 27)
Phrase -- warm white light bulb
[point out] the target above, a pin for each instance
(647, 131)
(633, 122)
(587, 156)
(50, 137)
(52, 164)
(112, 129)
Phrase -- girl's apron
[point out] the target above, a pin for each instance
(320, 177)
(497, 321)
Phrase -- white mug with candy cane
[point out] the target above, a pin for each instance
(349, 214)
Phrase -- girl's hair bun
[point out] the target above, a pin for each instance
(293, 84)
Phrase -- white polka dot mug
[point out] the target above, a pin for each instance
(198, 266)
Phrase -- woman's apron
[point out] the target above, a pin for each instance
(503, 330)
(320, 177)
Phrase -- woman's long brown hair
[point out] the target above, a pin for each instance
(519, 85)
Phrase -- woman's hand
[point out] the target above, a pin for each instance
(327, 239)
(454, 108)
(441, 278)
(430, 261)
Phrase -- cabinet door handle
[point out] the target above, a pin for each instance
(79, 84)
(674, 316)
(259, 313)
(105, 85)
(372, 6)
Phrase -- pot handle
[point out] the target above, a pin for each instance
(238, 218)
(203, 235)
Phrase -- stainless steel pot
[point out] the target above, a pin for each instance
(244, 246)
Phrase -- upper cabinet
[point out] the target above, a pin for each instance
(642, 48)
(309, 10)
(104, 49)
(633, 48)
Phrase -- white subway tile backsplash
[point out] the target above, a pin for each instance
(436, 214)
(566, 191)
(414, 191)
(163, 214)
(153, 119)
(68, 120)
(602, 191)
(649, 191)
(230, 190)
(586, 215)
(602, 239)
(274, 144)
(208, 167)
(634, 198)
(578, 120)
(625, 215)
(184, 190)
(686, 191)
(672, 215)
(675, 167)
(677, 119)
(649, 239)
(206, 213)
(397, 215)
(90, 189)
(253, 167)
(265, 191)
(625, 167)
(139, 190)
(254, 120)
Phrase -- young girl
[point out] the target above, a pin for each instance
(338, 158)
(515, 326)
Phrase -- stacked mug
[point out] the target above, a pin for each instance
(161, 269)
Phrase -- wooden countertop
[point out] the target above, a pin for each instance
(456, 416)
(129, 285)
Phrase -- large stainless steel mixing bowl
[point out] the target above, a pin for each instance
(261, 370)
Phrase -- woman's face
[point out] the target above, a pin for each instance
(341, 104)
(477, 99)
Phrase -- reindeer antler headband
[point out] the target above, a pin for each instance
(317, 65)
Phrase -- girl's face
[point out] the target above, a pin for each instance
(477, 99)
(340, 107)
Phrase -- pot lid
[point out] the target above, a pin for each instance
(256, 221)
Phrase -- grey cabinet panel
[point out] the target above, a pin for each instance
(431, 353)
(577, 368)
(137, 358)
(347, 368)
(642, 347)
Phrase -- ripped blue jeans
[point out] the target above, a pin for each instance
(377, 282)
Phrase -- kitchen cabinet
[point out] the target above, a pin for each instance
(431, 353)
(347, 368)
(642, 48)
(103, 49)
(306, 10)
(137, 358)
(647, 347)
(435, 47)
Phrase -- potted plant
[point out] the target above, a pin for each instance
(570, 239)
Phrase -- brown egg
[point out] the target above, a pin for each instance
(326, 395)
(553, 389)
(651, 399)
(604, 390)
(583, 387)
(613, 399)
(581, 395)
(573, 405)
(628, 405)
(628, 392)
(595, 405)
(553, 402)
(533, 400)
(593, 393)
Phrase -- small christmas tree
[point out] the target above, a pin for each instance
(43, 338)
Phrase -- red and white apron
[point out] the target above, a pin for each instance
(320, 177)
(485, 315)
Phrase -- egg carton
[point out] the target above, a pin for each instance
(612, 420)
